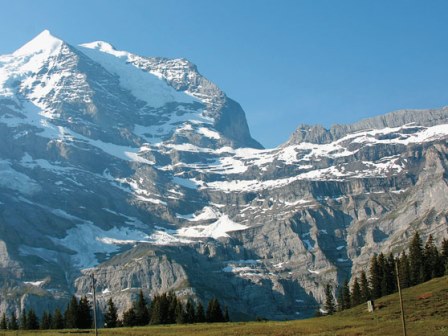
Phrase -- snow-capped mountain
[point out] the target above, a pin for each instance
(142, 171)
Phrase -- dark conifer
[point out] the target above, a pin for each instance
(346, 300)
(58, 320)
(200, 315)
(32, 322)
(226, 314)
(85, 319)
(356, 293)
(13, 325)
(160, 309)
(433, 261)
(329, 300)
(111, 317)
(389, 281)
(180, 313)
(129, 318)
(4, 322)
(155, 313)
(46, 321)
(444, 254)
(190, 314)
(404, 270)
(375, 277)
(23, 320)
(416, 260)
(365, 289)
(141, 310)
(71, 315)
(214, 312)
(172, 305)
(339, 299)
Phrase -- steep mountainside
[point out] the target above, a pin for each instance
(143, 172)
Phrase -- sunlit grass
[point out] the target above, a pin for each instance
(426, 309)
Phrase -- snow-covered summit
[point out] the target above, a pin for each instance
(154, 98)
(44, 42)
(105, 47)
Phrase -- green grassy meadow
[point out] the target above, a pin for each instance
(426, 308)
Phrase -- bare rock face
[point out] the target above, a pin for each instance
(142, 172)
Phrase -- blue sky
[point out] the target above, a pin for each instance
(285, 61)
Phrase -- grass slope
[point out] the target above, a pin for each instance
(426, 308)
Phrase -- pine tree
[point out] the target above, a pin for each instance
(4, 322)
(444, 254)
(346, 295)
(382, 265)
(172, 305)
(160, 309)
(71, 315)
(84, 319)
(32, 322)
(23, 320)
(429, 259)
(190, 314)
(404, 270)
(141, 310)
(46, 321)
(111, 317)
(365, 290)
(156, 317)
(58, 320)
(389, 281)
(179, 313)
(214, 312)
(129, 318)
(13, 325)
(226, 314)
(439, 269)
(416, 260)
(356, 293)
(329, 300)
(340, 298)
(200, 315)
(375, 277)
(433, 261)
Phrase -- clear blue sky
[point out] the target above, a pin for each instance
(286, 62)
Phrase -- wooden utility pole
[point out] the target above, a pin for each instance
(403, 321)
(94, 303)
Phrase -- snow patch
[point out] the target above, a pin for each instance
(209, 133)
(219, 229)
(14, 180)
(35, 283)
(142, 84)
(187, 183)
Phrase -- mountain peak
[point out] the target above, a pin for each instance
(100, 45)
(105, 47)
(45, 41)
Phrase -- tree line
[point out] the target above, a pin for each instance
(78, 315)
(420, 264)
(166, 309)
(163, 309)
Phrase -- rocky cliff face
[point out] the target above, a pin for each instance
(143, 172)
